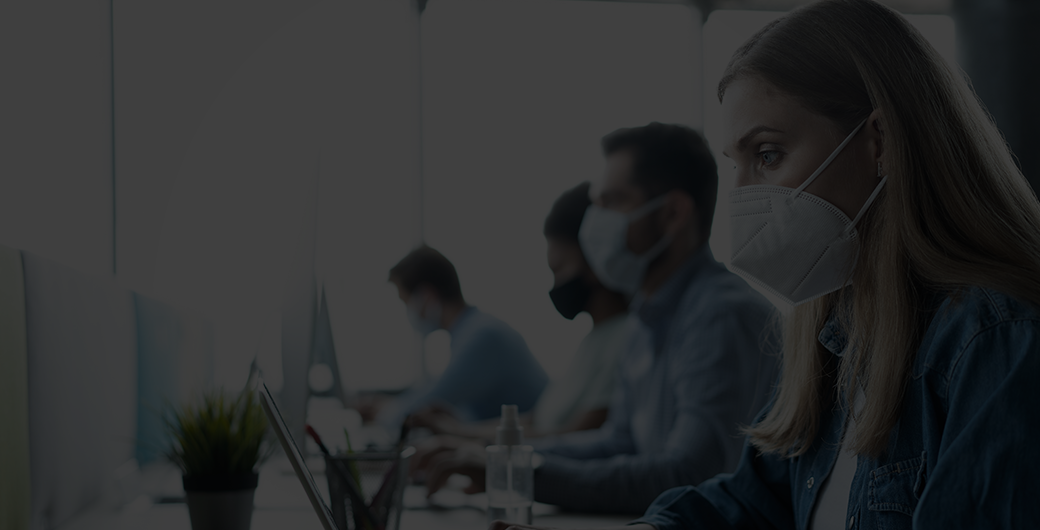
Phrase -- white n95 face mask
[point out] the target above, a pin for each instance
(604, 241)
(796, 245)
(424, 324)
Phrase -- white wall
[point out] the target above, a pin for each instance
(512, 122)
(369, 209)
(173, 60)
(227, 113)
(55, 131)
(231, 119)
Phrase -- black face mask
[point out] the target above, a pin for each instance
(571, 297)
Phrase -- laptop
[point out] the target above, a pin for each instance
(296, 457)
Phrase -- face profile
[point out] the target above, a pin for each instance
(572, 278)
(423, 309)
(617, 192)
(774, 217)
(606, 237)
(773, 139)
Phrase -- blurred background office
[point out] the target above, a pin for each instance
(238, 158)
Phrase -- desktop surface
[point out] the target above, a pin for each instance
(280, 504)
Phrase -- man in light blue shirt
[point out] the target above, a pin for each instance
(700, 363)
(490, 362)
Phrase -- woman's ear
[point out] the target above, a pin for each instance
(876, 129)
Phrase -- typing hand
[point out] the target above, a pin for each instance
(428, 449)
(468, 460)
(502, 525)
(369, 406)
(438, 419)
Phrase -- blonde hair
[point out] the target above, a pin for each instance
(956, 211)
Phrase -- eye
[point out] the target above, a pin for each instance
(769, 158)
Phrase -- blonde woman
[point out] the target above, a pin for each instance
(876, 196)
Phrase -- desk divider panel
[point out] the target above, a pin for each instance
(82, 367)
(15, 480)
(174, 363)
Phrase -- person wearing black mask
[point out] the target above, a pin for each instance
(578, 400)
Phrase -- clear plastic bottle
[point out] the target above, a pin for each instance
(510, 477)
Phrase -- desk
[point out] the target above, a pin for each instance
(175, 517)
(281, 504)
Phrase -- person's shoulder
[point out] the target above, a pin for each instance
(972, 310)
(482, 327)
(722, 294)
(967, 317)
(487, 323)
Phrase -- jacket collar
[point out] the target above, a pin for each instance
(833, 337)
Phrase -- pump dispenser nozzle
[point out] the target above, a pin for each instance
(509, 431)
(510, 477)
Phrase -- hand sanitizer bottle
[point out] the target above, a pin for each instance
(510, 477)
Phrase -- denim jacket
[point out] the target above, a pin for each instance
(962, 455)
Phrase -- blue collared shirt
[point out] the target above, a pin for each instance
(490, 366)
(962, 455)
(696, 369)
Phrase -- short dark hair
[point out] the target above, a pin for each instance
(564, 219)
(426, 266)
(669, 157)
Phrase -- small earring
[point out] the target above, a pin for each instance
(879, 175)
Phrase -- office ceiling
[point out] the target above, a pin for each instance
(903, 6)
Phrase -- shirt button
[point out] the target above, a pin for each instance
(809, 483)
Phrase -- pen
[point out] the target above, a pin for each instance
(356, 499)
(314, 435)
(390, 477)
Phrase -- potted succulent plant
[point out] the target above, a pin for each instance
(218, 443)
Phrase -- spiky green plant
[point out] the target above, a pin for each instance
(221, 435)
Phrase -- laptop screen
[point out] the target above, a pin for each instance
(295, 456)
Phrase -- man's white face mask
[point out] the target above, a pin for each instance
(604, 241)
(424, 314)
(796, 245)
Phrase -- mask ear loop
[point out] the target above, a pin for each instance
(648, 207)
(867, 204)
(799, 189)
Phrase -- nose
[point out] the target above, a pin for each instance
(743, 178)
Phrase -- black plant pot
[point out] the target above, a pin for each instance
(220, 502)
